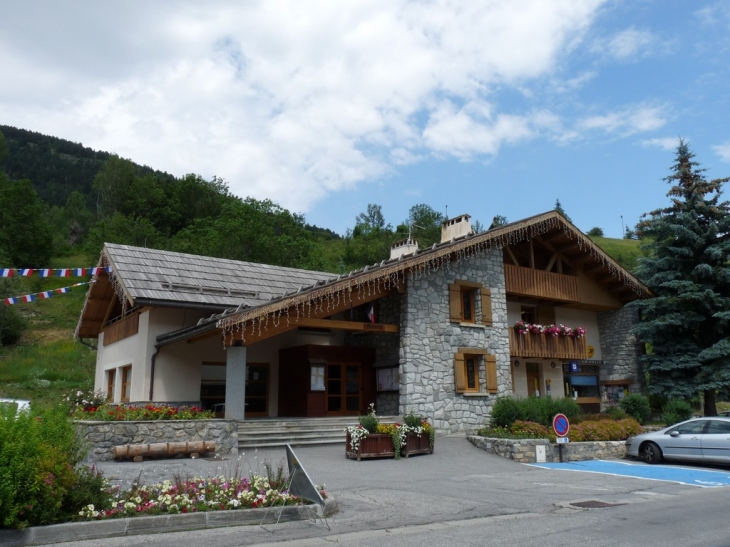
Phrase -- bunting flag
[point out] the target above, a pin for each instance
(42, 295)
(55, 272)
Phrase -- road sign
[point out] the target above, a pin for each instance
(561, 425)
(562, 440)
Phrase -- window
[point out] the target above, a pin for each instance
(471, 364)
(470, 302)
(111, 376)
(126, 383)
(316, 382)
(691, 428)
(719, 426)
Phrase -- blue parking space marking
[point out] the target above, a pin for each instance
(703, 478)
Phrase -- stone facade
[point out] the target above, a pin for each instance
(619, 348)
(524, 450)
(429, 341)
(102, 437)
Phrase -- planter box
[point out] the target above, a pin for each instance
(417, 445)
(375, 445)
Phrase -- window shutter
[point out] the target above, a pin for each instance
(486, 295)
(455, 303)
(491, 362)
(459, 373)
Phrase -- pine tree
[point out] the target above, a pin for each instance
(559, 209)
(686, 325)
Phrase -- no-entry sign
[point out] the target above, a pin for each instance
(561, 425)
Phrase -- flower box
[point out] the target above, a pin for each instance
(375, 445)
(417, 445)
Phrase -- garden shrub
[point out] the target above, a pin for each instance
(532, 429)
(38, 452)
(370, 420)
(604, 430)
(504, 412)
(676, 410)
(636, 406)
(616, 413)
(540, 410)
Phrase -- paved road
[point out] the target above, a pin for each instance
(459, 495)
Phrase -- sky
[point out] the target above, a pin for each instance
(494, 107)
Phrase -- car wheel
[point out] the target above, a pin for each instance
(652, 453)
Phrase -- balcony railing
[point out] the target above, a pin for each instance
(546, 346)
(540, 284)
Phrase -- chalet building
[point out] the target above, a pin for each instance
(440, 331)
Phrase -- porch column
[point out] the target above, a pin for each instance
(235, 382)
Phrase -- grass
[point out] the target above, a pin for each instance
(624, 251)
(47, 364)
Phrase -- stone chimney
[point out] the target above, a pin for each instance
(403, 247)
(455, 227)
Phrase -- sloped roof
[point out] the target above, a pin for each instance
(146, 276)
(143, 276)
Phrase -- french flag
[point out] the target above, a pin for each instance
(45, 294)
(371, 314)
(79, 272)
(64, 272)
(45, 273)
(10, 301)
(62, 290)
(27, 298)
(6, 272)
(26, 272)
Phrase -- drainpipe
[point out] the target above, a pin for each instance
(152, 371)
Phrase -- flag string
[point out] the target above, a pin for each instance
(42, 295)
(54, 272)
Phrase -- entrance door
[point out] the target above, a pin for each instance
(533, 379)
(343, 389)
(257, 390)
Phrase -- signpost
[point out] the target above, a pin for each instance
(561, 426)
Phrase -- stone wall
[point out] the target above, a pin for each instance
(619, 348)
(429, 341)
(524, 451)
(102, 437)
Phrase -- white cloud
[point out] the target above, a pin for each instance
(722, 150)
(626, 122)
(664, 143)
(284, 99)
(626, 44)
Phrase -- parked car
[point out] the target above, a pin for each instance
(698, 439)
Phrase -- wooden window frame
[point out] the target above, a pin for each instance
(126, 383)
(476, 292)
(461, 374)
(111, 377)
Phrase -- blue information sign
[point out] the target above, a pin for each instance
(561, 425)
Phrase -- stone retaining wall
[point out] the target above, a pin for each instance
(104, 436)
(524, 451)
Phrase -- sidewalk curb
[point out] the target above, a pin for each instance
(100, 529)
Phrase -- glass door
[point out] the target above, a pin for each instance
(343, 389)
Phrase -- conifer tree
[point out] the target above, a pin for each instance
(686, 325)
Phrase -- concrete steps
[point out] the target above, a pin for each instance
(270, 432)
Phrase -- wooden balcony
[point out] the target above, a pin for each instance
(540, 284)
(546, 346)
(121, 329)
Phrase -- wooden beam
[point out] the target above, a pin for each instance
(258, 332)
(512, 256)
(552, 261)
(532, 255)
(345, 325)
(593, 268)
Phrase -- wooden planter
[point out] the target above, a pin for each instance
(417, 445)
(375, 445)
